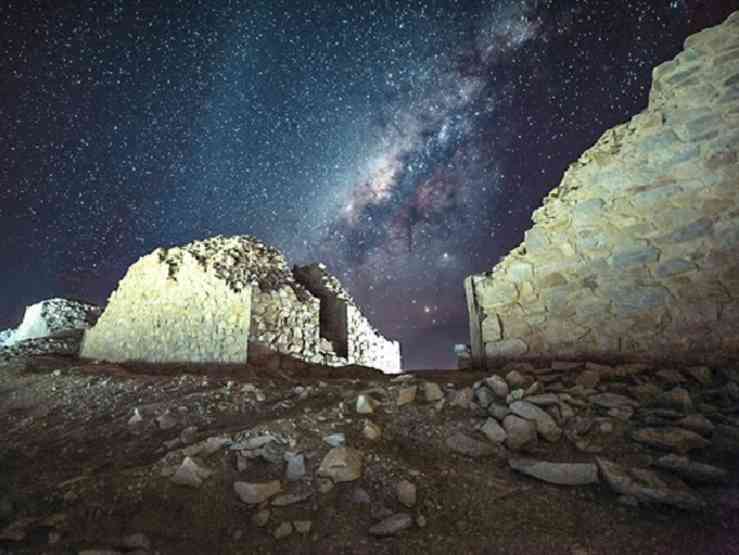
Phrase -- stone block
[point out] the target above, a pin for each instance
(637, 257)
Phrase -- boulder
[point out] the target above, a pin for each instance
(545, 424)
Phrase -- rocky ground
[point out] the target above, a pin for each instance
(572, 458)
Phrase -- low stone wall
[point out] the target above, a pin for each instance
(158, 316)
(636, 254)
(368, 348)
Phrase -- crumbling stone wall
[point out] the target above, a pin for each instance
(636, 253)
(172, 306)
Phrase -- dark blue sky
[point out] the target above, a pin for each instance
(404, 144)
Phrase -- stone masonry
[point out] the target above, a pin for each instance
(226, 299)
(636, 254)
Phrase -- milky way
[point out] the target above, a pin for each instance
(404, 144)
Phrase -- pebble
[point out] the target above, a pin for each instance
(364, 404)
(302, 526)
(407, 395)
(335, 440)
(406, 493)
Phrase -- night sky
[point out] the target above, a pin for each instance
(404, 144)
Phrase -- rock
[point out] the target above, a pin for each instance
(543, 399)
(341, 464)
(325, 485)
(556, 473)
(646, 393)
(697, 423)
(612, 400)
(286, 499)
(188, 435)
(671, 376)
(465, 445)
(360, 496)
(498, 386)
(701, 374)
(190, 474)
(407, 395)
(675, 439)
(621, 413)
(515, 379)
(335, 440)
(283, 530)
(365, 404)
(484, 396)
(295, 467)
(166, 421)
(406, 493)
(392, 525)
(515, 395)
(677, 398)
(562, 366)
(532, 390)
(545, 424)
(136, 418)
(691, 470)
(261, 518)
(421, 521)
(100, 552)
(645, 490)
(372, 431)
(302, 526)
(498, 411)
(462, 398)
(493, 431)
(588, 379)
(137, 540)
(432, 392)
(521, 432)
(255, 493)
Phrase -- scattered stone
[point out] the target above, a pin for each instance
(463, 398)
(691, 470)
(335, 440)
(702, 374)
(295, 467)
(407, 395)
(611, 400)
(255, 493)
(465, 445)
(515, 378)
(562, 366)
(557, 473)
(392, 525)
(588, 379)
(493, 431)
(283, 530)
(287, 499)
(166, 421)
(360, 496)
(190, 474)
(671, 376)
(302, 526)
(432, 392)
(261, 518)
(372, 431)
(498, 386)
(341, 464)
(365, 404)
(521, 432)
(407, 493)
(697, 423)
(545, 424)
(674, 439)
(677, 398)
(188, 435)
(137, 540)
(421, 521)
(639, 487)
(136, 418)
(543, 399)
(498, 411)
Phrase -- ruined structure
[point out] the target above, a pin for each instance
(229, 299)
(636, 254)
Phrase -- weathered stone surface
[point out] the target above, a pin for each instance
(190, 474)
(674, 439)
(521, 432)
(255, 493)
(644, 487)
(498, 386)
(407, 395)
(406, 493)
(432, 392)
(691, 470)
(697, 423)
(545, 424)
(341, 464)
(567, 474)
(492, 430)
(470, 447)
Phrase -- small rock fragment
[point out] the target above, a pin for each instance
(498, 386)
(493, 431)
(372, 431)
(691, 470)
(515, 378)
(261, 518)
(407, 493)
(166, 421)
(302, 526)
(392, 525)
(255, 493)
(190, 474)
(283, 530)
(365, 404)
(465, 445)
(341, 464)
(432, 392)
(335, 440)
(675, 439)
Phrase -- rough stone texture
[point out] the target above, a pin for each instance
(226, 298)
(634, 255)
(566, 474)
(51, 318)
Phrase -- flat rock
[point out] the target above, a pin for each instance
(166, 421)
(520, 432)
(407, 395)
(341, 464)
(493, 431)
(255, 493)
(470, 447)
(283, 530)
(286, 499)
(337, 439)
(190, 474)
(697, 423)
(567, 474)
(498, 386)
(392, 525)
(691, 470)
(545, 424)
(701, 374)
(295, 467)
(674, 439)
(588, 379)
(432, 392)
(628, 484)
(671, 376)
(611, 400)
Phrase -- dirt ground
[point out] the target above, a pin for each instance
(75, 475)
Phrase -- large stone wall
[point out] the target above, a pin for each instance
(636, 254)
(170, 307)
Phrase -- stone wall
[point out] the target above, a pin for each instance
(170, 307)
(51, 318)
(636, 254)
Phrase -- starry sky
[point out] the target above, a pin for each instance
(403, 143)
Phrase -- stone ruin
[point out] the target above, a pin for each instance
(635, 255)
(232, 299)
